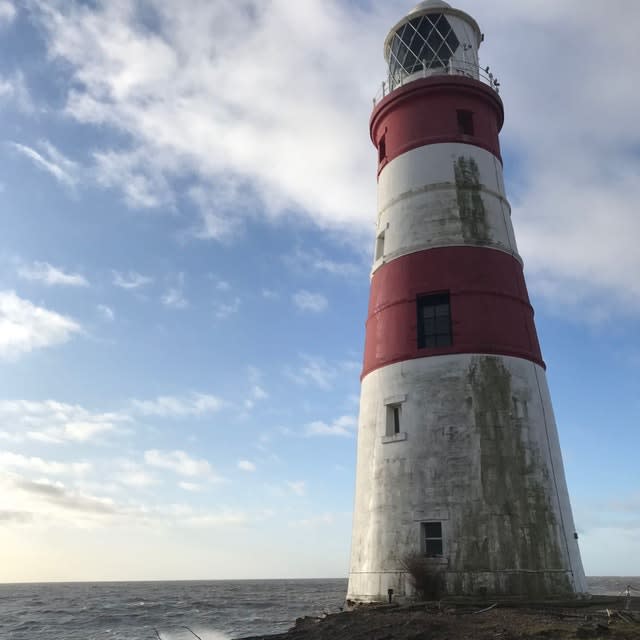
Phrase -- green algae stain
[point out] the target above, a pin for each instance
(513, 527)
(473, 216)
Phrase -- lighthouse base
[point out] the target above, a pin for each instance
(459, 465)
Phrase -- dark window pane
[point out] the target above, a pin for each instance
(433, 548)
(442, 325)
(396, 419)
(434, 321)
(432, 529)
(443, 341)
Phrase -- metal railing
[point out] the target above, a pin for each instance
(454, 68)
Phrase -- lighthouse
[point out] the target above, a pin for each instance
(459, 463)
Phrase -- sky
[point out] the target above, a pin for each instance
(187, 198)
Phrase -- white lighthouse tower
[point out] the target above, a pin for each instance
(459, 461)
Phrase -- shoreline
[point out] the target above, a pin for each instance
(460, 619)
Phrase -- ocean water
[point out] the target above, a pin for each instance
(214, 610)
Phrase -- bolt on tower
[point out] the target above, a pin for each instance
(459, 461)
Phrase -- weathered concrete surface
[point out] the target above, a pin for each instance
(480, 454)
(443, 195)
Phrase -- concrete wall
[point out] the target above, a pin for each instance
(443, 195)
(477, 451)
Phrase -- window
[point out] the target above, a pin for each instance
(393, 419)
(434, 321)
(382, 148)
(432, 539)
(425, 42)
(465, 123)
(380, 246)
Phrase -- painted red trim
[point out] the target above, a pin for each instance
(425, 112)
(490, 309)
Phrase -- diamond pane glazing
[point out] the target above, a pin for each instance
(424, 42)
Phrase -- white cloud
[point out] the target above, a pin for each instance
(270, 294)
(7, 11)
(174, 299)
(64, 170)
(298, 488)
(317, 371)
(215, 224)
(130, 280)
(142, 185)
(257, 392)
(56, 422)
(308, 301)
(194, 404)
(190, 486)
(343, 427)
(51, 276)
(187, 100)
(223, 310)
(106, 312)
(25, 327)
(181, 463)
(323, 519)
(13, 89)
(9, 460)
(246, 465)
(307, 260)
(136, 478)
(223, 285)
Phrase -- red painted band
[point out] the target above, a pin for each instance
(490, 309)
(425, 111)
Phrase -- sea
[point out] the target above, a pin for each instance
(209, 610)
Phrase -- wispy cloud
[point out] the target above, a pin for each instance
(343, 427)
(316, 371)
(181, 463)
(308, 301)
(51, 276)
(174, 297)
(194, 404)
(135, 476)
(64, 170)
(13, 90)
(130, 280)
(298, 488)
(223, 310)
(313, 260)
(9, 460)
(25, 327)
(7, 12)
(199, 129)
(135, 175)
(106, 312)
(246, 465)
(56, 422)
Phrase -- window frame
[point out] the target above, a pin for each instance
(427, 540)
(466, 124)
(434, 300)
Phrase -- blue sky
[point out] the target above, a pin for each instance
(187, 192)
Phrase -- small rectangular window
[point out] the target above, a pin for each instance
(465, 123)
(382, 148)
(434, 321)
(380, 246)
(432, 539)
(394, 412)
